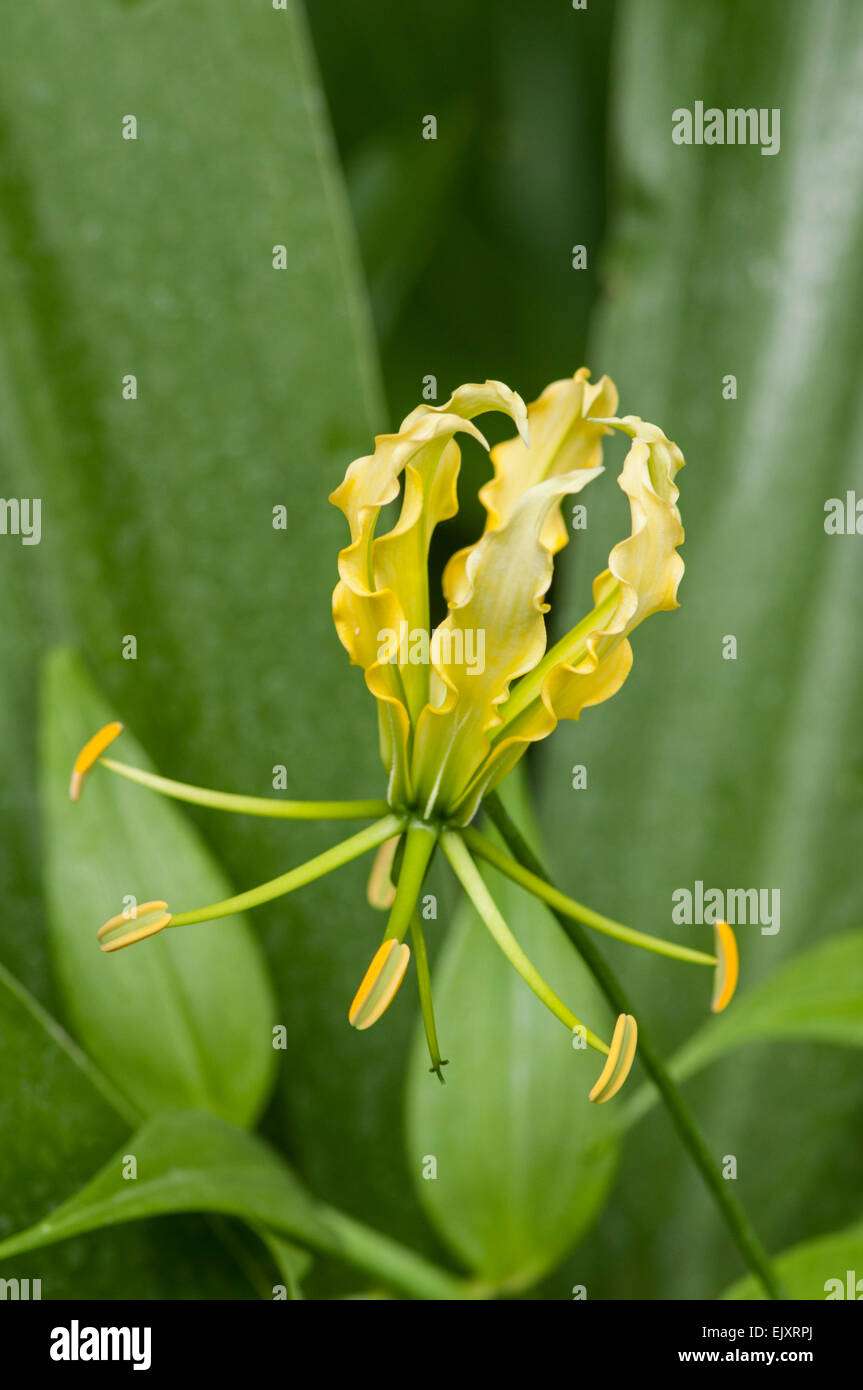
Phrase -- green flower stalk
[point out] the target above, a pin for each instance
(460, 704)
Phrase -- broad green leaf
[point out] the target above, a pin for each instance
(57, 1094)
(739, 772)
(60, 1119)
(184, 1019)
(189, 1161)
(255, 389)
(826, 1268)
(816, 996)
(522, 1162)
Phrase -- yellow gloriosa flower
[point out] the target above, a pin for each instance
(449, 730)
(460, 704)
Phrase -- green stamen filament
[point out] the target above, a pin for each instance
(500, 860)
(333, 858)
(250, 805)
(474, 885)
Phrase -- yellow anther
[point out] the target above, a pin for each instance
(90, 754)
(619, 1060)
(727, 967)
(381, 891)
(152, 917)
(380, 983)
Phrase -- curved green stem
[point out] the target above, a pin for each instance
(421, 960)
(296, 878)
(732, 1213)
(249, 805)
(490, 852)
(474, 885)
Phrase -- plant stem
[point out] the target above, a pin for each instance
(249, 805)
(419, 846)
(732, 1213)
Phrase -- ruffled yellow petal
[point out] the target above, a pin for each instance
(564, 435)
(591, 663)
(383, 585)
(498, 617)
(476, 398)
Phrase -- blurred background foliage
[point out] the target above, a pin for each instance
(453, 258)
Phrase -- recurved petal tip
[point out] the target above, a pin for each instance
(727, 967)
(380, 983)
(90, 754)
(128, 927)
(619, 1061)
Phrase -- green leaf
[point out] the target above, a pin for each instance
(808, 1269)
(189, 1161)
(256, 387)
(182, 1020)
(522, 1159)
(742, 772)
(816, 996)
(185, 1161)
(292, 1262)
(60, 1118)
(56, 1092)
